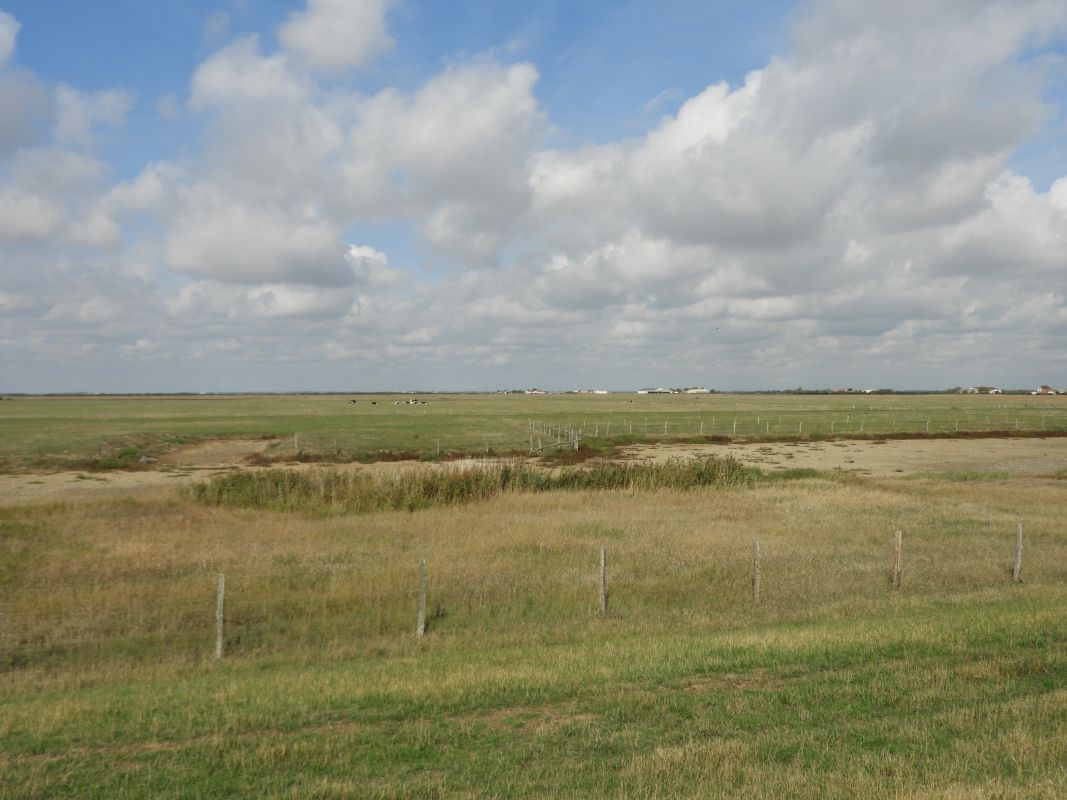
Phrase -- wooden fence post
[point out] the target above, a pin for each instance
(420, 624)
(603, 581)
(220, 615)
(757, 559)
(1017, 568)
(896, 560)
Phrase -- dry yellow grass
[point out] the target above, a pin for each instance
(832, 684)
(89, 575)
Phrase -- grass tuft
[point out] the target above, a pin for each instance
(348, 492)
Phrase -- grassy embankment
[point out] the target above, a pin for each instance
(832, 686)
(107, 432)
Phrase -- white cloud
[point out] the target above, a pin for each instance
(239, 74)
(226, 239)
(455, 154)
(370, 266)
(9, 31)
(337, 35)
(97, 230)
(26, 217)
(848, 209)
(44, 190)
(79, 111)
(156, 190)
(28, 111)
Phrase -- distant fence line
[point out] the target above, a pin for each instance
(545, 435)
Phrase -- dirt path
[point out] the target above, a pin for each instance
(891, 458)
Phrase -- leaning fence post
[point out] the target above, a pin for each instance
(1017, 569)
(756, 569)
(896, 560)
(420, 624)
(220, 615)
(603, 581)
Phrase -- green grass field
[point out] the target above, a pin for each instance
(113, 432)
(831, 685)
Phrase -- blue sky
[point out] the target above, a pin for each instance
(335, 194)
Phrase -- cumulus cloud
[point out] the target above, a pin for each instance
(46, 191)
(9, 31)
(239, 74)
(337, 35)
(28, 111)
(847, 173)
(220, 237)
(370, 266)
(847, 212)
(455, 153)
(79, 111)
(27, 217)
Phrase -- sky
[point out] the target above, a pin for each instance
(376, 195)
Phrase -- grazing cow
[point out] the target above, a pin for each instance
(374, 402)
(352, 402)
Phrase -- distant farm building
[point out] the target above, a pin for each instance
(1045, 390)
(658, 390)
(698, 390)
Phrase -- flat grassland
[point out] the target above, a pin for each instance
(830, 685)
(109, 432)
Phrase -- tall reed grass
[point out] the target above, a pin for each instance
(347, 491)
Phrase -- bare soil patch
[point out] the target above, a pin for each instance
(218, 451)
(881, 458)
(180, 467)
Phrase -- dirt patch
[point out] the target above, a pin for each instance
(63, 486)
(221, 451)
(881, 458)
